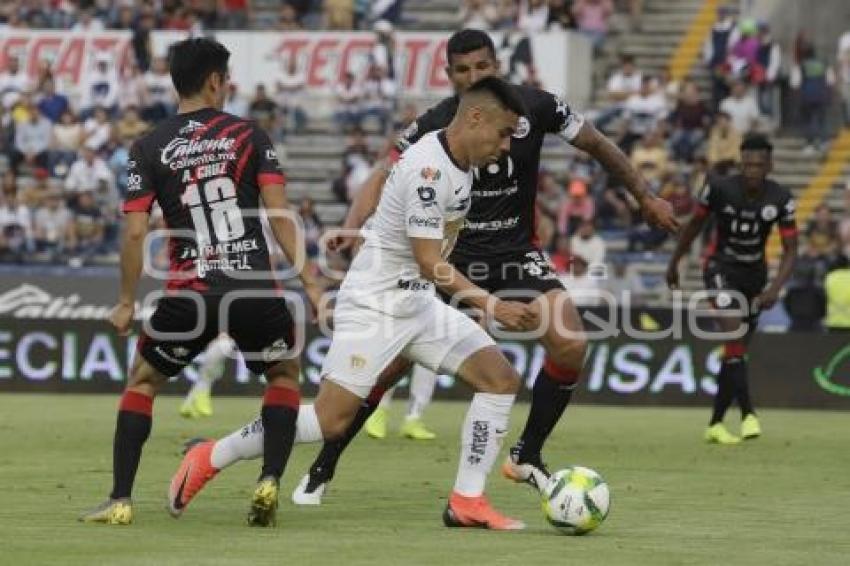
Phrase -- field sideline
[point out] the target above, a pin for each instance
(783, 499)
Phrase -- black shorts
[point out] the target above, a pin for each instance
(749, 281)
(262, 328)
(522, 277)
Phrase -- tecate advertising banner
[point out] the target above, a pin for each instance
(54, 338)
(260, 57)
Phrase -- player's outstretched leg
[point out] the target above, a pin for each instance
(484, 428)
(132, 429)
(717, 432)
(565, 345)
(198, 402)
(313, 485)
(422, 381)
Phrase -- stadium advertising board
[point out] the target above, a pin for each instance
(55, 341)
(323, 57)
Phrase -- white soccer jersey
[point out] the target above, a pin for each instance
(427, 195)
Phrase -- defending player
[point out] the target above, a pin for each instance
(745, 207)
(208, 171)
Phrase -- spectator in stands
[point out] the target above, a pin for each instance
(814, 79)
(288, 20)
(578, 206)
(50, 103)
(583, 167)
(561, 256)
(533, 15)
(643, 112)
(14, 81)
(234, 14)
(141, 41)
(715, 53)
(97, 130)
(234, 103)
(16, 236)
(379, 98)
(676, 191)
(689, 121)
(160, 99)
(843, 62)
(338, 14)
(624, 83)
(768, 65)
(384, 51)
(837, 286)
(389, 10)
(805, 300)
(406, 117)
(724, 143)
(588, 244)
(100, 87)
(560, 16)
(698, 175)
(507, 12)
(290, 92)
(312, 226)
(88, 228)
(592, 17)
(478, 14)
(348, 97)
(613, 212)
(822, 234)
(66, 139)
(87, 22)
(32, 140)
(651, 157)
(742, 55)
(620, 283)
(130, 126)
(88, 173)
(741, 108)
(669, 88)
(51, 226)
(119, 161)
(549, 193)
(262, 108)
(122, 19)
(133, 90)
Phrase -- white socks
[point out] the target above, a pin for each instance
(247, 442)
(422, 381)
(212, 367)
(484, 429)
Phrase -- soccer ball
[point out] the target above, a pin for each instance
(575, 500)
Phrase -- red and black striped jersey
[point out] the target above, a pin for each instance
(205, 169)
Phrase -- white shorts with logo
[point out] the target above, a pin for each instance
(365, 341)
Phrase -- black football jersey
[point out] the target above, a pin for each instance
(743, 224)
(205, 170)
(501, 220)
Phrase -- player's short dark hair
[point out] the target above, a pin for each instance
(192, 61)
(501, 90)
(467, 41)
(756, 142)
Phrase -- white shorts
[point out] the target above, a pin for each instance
(365, 341)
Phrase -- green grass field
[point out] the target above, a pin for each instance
(783, 499)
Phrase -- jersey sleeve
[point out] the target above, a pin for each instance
(268, 166)
(556, 117)
(427, 193)
(140, 187)
(788, 217)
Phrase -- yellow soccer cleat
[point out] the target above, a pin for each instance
(415, 429)
(750, 427)
(187, 409)
(376, 425)
(717, 434)
(202, 401)
(110, 512)
(264, 503)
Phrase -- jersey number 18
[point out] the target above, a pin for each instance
(226, 218)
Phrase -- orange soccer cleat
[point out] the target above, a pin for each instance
(193, 474)
(476, 512)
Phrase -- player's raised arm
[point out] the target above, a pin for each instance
(656, 211)
(689, 233)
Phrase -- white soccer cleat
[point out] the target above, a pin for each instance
(308, 493)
